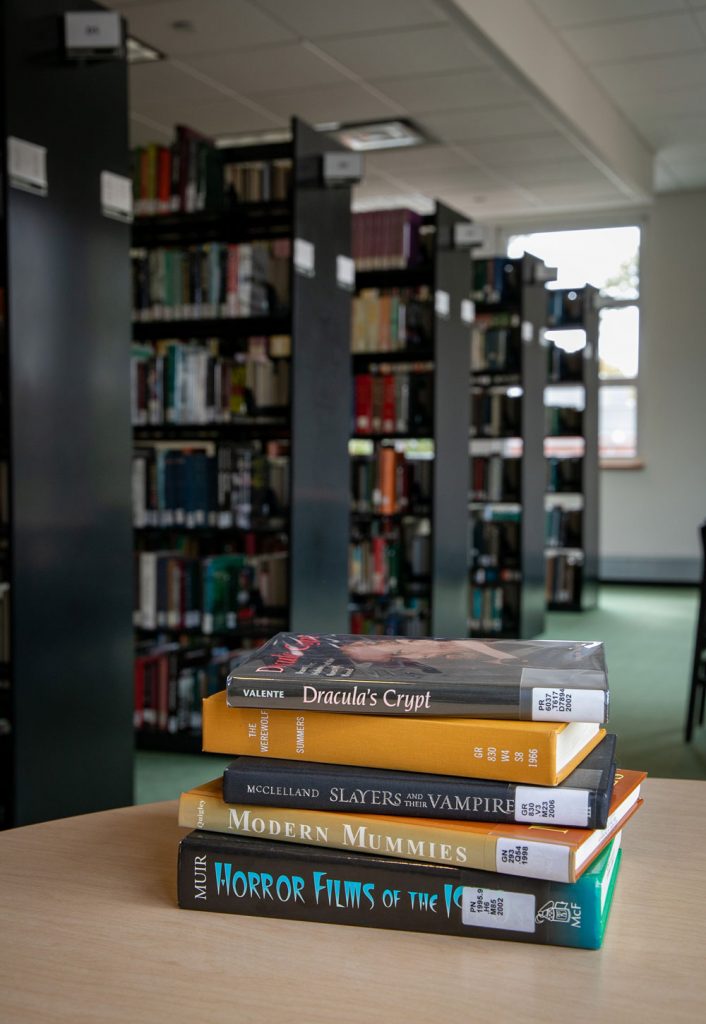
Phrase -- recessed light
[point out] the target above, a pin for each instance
(367, 136)
(141, 53)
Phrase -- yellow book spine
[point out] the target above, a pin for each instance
(420, 840)
(472, 748)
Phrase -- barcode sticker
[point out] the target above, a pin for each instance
(559, 704)
(532, 860)
(552, 806)
(495, 908)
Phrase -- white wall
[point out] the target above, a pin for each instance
(650, 517)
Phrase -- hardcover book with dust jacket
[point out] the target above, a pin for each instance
(527, 680)
(240, 875)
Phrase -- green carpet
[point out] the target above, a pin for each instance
(648, 634)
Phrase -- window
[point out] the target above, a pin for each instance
(609, 259)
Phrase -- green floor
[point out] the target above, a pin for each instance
(648, 634)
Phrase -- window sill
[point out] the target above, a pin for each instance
(622, 464)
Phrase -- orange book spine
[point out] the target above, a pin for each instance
(472, 748)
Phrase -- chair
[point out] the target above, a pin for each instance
(698, 672)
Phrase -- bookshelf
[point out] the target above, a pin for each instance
(66, 739)
(507, 474)
(411, 411)
(240, 475)
(571, 449)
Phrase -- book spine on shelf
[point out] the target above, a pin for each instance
(256, 877)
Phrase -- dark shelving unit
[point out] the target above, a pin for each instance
(443, 270)
(507, 479)
(315, 423)
(66, 737)
(572, 499)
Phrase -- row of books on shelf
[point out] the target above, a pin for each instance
(193, 382)
(495, 478)
(191, 175)
(493, 609)
(215, 594)
(388, 482)
(171, 680)
(211, 280)
(220, 486)
(496, 349)
(397, 616)
(4, 620)
(497, 281)
(399, 401)
(257, 181)
(563, 576)
(564, 475)
(563, 527)
(387, 239)
(383, 560)
(392, 321)
(452, 798)
(495, 538)
(184, 177)
(498, 414)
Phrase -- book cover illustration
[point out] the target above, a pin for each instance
(238, 875)
(546, 851)
(536, 753)
(530, 680)
(582, 799)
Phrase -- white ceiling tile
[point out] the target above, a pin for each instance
(649, 76)
(674, 103)
(316, 18)
(701, 19)
(689, 176)
(400, 54)
(160, 80)
(577, 193)
(637, 37)
(270, 70)
(218, 25)
(565, 13)
(558, 172)
(667, 131)
(438, 181)
(466, 125)
(345, 102)
(417, 159)
(425, 93)
(504, 153)
(219, 117)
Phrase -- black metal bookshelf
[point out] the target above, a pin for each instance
(312, 429)
(572, 499)
(507, 471)
(433, 600)
(66, 689)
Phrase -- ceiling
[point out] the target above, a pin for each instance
(500, 148)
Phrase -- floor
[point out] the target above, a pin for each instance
(648, 634)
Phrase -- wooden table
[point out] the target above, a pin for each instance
(90, 932)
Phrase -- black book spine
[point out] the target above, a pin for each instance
(270, 783)
(231, 874)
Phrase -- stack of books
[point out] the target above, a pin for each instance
(463, 787)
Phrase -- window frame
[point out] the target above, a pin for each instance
(620, 219)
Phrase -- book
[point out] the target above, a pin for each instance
(546, 851)
(582, 800)
(529, 680)
(256, 877)
(537, 753)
